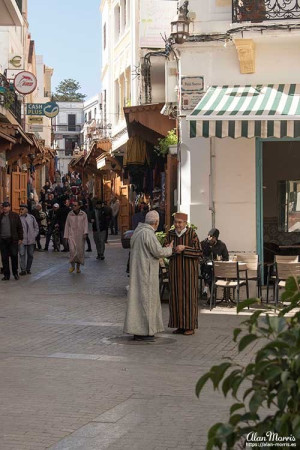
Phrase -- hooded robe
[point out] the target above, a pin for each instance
(75, 229)
(144, 315)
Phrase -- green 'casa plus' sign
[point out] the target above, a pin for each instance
(49, 109)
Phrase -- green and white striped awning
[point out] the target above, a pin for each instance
(264, 111)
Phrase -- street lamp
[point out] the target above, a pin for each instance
(180, 27)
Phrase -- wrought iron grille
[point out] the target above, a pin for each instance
(260, 10)
(9, 98)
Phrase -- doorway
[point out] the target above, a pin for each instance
(278, 198)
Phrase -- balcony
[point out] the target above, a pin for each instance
(9, 99)
(66, 128)
(260, 10)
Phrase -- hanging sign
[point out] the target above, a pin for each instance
(15, 62)
(35, 119)
(49, 109)
(25, 82)
(12, 73)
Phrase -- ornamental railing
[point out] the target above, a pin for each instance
(9, 98)
(260, 10)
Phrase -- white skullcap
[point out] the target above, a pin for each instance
(152, 217)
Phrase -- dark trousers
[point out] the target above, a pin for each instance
(88, 241)
(63, 241)
(38, 241)
(9, 249)
(114, 225)
(48, 236)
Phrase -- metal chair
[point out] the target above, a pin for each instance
(271, 277)
(254, 269)
(226, 274)
(163, 278)
(285, 270)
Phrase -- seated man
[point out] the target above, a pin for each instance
(213, 249)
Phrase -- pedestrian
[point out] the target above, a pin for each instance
(60, 221)
(51, 223)
(30, 232)
(40, 217)
(100, 226)
(144, 314)
(11, 235)
(76, 231)
(115, 206)
(183, 276)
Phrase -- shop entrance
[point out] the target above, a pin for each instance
(279, 219)
(18, 188)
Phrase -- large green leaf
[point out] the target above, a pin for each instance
(201, 382)
(236, 332)
(236, 406)
(282, 397)
(246, 340)
(277, 324)
(228, 382)
(256, 402)
(217, 373)
(291, 287)
(246, 303)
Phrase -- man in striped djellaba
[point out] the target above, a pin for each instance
(183, 276)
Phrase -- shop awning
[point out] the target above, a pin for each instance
(264, 111)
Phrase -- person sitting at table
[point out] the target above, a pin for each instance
(212, 249)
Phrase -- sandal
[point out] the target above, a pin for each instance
(178, 331)
(189, 332)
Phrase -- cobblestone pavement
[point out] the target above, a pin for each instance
(70, 379)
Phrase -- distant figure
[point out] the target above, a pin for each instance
(100, 225)
(144, 315)
(11, 235)
(30, 232)
(139, 216)
(76, 231)
(115, 206)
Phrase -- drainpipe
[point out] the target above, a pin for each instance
(211, 182)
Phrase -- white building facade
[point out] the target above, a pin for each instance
(67, 126)
(233, 182)
(130, 30)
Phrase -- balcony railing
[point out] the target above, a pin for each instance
(260, 10)
(9, 98)
(72, 128)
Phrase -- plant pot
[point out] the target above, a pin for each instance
(173, 149)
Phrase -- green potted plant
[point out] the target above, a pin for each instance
(164, 144)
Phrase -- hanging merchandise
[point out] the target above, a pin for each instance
(135, 152)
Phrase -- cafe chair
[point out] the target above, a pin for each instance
(271, 275)
(163, 278)
(253, 269)
(285, 270)
(226, 274)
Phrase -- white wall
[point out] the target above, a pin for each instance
(235, 193)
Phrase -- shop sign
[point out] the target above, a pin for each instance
(49, 109)
(192, 90)
(12, 73)
(25, 82)
(15, 61)
(192, 84)
(35, 119)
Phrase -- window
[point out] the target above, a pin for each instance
(95, 113)
(90, 116)
(104, 36)
(85, 117)
(117, 101)
(71, 122)
(117, 22)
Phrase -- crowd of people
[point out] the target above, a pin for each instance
(61, 214)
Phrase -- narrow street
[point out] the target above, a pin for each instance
(70, 379)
